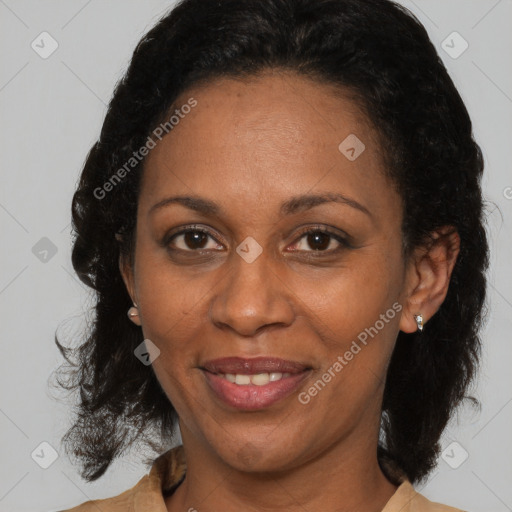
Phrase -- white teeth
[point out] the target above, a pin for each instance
(259, 379)
(242, 379)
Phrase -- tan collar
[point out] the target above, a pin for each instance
(169, 470)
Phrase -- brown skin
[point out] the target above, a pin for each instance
(249, 146)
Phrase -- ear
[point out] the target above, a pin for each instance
(428, 276)
(126, 269)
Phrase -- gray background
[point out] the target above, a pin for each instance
(52, 110)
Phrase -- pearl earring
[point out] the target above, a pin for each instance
(133, 311)
(419, 321)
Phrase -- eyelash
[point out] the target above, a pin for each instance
(344, 244)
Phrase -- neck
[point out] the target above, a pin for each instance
(348, 475)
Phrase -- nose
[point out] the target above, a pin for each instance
(252, 298)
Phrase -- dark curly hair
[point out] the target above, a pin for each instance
(381, 54)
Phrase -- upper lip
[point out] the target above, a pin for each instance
(241, 366)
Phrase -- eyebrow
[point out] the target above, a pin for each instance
(293, 205)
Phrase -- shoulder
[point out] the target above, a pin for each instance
(407, 499)
(123, 502)
(167, 472)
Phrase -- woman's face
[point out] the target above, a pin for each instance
(255, 284)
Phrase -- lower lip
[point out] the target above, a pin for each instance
(251, 397)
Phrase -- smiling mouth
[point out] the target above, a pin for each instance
(253, 384)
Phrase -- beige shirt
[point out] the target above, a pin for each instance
(168, 471)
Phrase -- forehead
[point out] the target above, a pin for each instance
(264, 139)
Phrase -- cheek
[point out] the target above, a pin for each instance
(173, 301)
(356, 317)
(350, 299)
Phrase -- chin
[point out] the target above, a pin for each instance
(258, 456)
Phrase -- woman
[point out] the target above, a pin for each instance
(285, 199)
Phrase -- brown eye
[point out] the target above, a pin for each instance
(319, 240)
(195, 239)
(192, 240)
